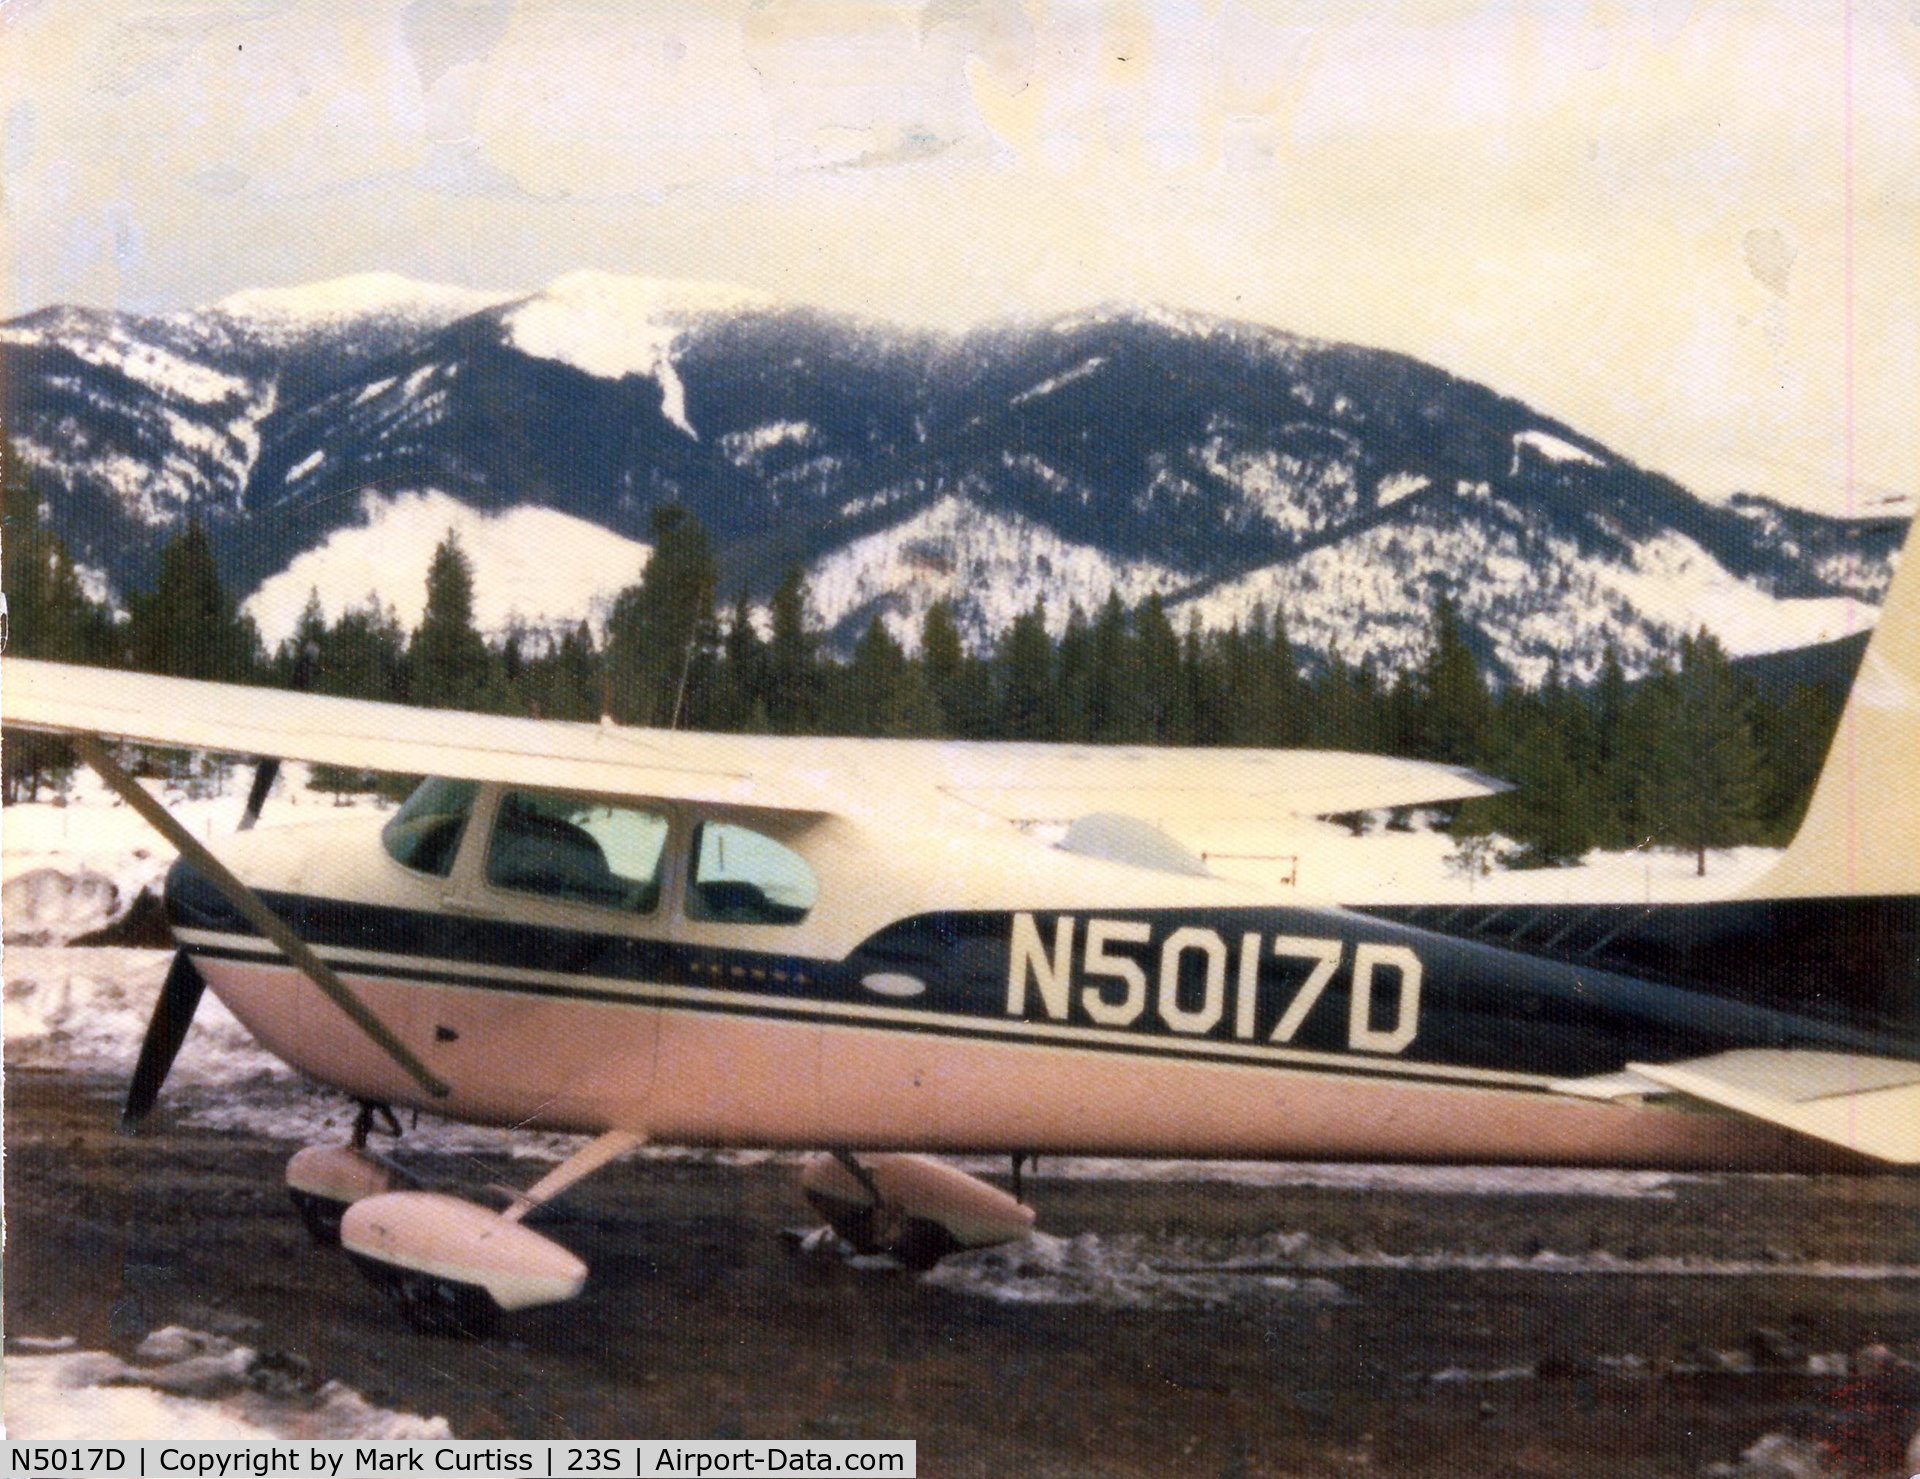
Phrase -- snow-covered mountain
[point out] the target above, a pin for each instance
(1224, 466)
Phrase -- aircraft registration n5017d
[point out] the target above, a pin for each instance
(856, 946)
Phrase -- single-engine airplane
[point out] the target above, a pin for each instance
(852, 946)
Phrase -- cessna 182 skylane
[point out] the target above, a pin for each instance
(852, 945)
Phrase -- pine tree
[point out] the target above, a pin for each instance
(1548, 810)
(740, 682)
(364, 654)
(660, 630)
(564, 681)
(49, 616)
(958, 682)
(1118, 710)
(1163, 686)
(793, 676)
(1287, 726)
(49, 612)
(1793, 735)
(1073, 678)
(1204, 661)
(1713, 793)
(1024, 673)
(296, 659)
(1346, 709)
(886, 695)
(188, 626)
(1449, 699)
(1614, 782)
(448, 665)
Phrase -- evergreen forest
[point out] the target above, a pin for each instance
(1693, 755)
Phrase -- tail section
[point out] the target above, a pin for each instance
(1861, 835)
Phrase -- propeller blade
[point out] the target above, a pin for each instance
(263, 777)
(172, 1015)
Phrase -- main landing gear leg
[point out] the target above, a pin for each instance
(914, 1208)
(452, 1267)
(324, 1180)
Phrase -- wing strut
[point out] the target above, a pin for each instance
(582, 1163)
(258, 914)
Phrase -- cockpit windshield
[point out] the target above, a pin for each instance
(425, 833)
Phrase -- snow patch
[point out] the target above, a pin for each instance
(1142, 1271)
(533, 563)
(742, 448)
(159, 369)
(49, 906)
(187, 1384)
(612, 326)
(1674, 580)
(1422, 866)
(1539, 598)
(95, 586)
(87, 1008)
(1066, 377)
(1301, 496)
(306, 464)
(1126, 1272)
(1399, 485)
(341, 300)
(1551, 447)
(205, 424)
(993, 566)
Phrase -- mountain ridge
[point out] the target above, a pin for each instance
(1221, 465)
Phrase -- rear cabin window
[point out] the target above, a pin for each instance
(582, 852)
(425, 833)
(741, 876)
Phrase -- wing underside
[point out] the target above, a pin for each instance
(1016, 782)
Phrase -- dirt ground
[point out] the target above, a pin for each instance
(700, 1321)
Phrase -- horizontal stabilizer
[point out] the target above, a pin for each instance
(1870, 1105)
(1611, 1086)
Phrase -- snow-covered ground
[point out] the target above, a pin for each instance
(614, 326)
(1426, 866)
(956, 548)
(186, 1384)
(289, 312)
(1142, 1271)
(535, 564)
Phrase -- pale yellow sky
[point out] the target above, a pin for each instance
(1686, 229)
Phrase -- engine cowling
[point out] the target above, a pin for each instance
(927, 1209)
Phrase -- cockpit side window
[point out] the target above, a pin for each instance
(582, 852)
(741, 876)
(425, 833)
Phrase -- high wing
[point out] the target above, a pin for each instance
(232, 719)
(1015, 782)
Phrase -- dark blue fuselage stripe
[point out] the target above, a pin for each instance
(1485, 1010)
(1132, 1044)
